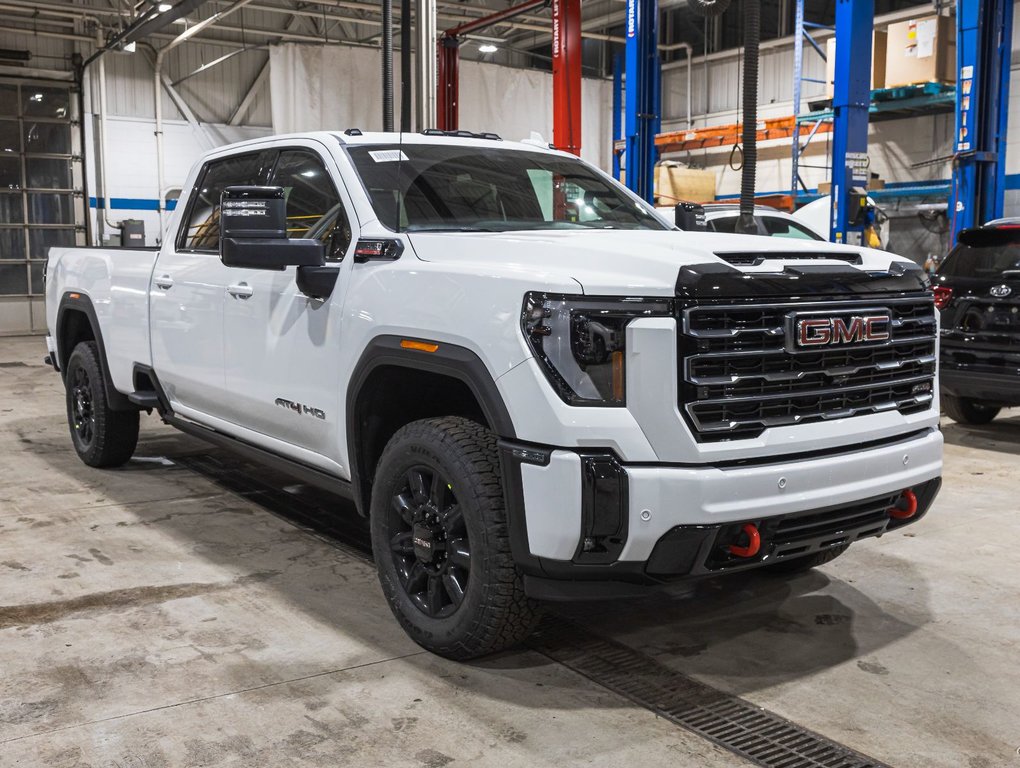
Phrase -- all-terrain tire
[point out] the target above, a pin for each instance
(806, 563)
(101, 437)
(967, 411)
(438, 495)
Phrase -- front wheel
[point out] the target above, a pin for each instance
(101, 436)
(440, 540)
(967, 411)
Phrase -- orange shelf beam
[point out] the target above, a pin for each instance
(728, 135)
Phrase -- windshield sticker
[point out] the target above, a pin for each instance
(387, 155)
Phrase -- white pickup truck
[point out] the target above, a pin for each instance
(534, 387)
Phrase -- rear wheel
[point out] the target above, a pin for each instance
(440, 540)
(806, 563)
(967, 411)
(102, 437)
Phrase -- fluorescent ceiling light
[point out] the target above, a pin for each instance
(164, 7)
(487, 48)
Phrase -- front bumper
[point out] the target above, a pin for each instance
(997, 388)
(584, 516)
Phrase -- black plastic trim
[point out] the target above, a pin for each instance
(449, 360)
(713, 280)
(317, 282)
(163, 406)
(116, 399)
(303, 472)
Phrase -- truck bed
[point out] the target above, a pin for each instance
(113, 283)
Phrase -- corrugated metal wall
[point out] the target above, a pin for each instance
(212, 94)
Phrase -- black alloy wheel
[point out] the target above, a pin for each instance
(441, 542)
(430, 549)
(83, 413)
(101, 436)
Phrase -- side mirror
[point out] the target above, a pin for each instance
(690, 217)
(253, 232)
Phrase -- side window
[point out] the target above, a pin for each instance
(779, 227)
(314, 209)
(201, 228)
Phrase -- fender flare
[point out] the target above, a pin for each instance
(449, 360)
(75, 301)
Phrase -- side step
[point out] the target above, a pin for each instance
(145, 399)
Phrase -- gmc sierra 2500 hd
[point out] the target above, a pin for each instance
(533, 386)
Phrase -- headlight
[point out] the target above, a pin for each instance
(581, 343)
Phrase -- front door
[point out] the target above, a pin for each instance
(281, 348)
(187, 291)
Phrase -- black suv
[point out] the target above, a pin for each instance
(978, 291)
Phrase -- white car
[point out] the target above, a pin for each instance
(771, 222)
(533, 386)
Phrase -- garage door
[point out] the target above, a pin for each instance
(41, 202)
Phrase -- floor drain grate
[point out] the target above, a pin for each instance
(764, 738)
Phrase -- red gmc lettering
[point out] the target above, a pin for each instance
(873, 333)
(845, 334)
(814, 333)
(819, 332)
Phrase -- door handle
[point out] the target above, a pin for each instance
(164, 281)
(240, 290)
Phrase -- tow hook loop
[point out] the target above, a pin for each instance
(753, 542)
(901, 512)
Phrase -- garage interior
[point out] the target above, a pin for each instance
(195, 609)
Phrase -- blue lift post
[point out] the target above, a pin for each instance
(642, 96)
(855, 21)
(617, 113)
(984, 33)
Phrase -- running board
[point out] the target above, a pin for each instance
(302, 472)
(146, 399)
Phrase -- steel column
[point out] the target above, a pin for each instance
(855, 20)
(448, 89)
(618, 143)
(425, 82)
(983, 49)
(642, 96)
(448, 86)
(566, 68)
(798, 73)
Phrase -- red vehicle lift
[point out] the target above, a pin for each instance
(566, 68)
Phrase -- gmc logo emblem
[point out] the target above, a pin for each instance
(821, 331)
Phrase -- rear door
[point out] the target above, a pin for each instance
(186, 293)
(281, 348)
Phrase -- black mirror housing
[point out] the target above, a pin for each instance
(253, 231)
(690, 217)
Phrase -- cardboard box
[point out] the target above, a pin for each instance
(921, 50)
(675, 182)
(878, 54)
(825, 187)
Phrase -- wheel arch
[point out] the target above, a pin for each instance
(392, 386)
(77, 322)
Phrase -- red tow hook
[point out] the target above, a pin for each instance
(904, 513)
(753, 542)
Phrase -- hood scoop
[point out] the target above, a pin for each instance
(756, 258)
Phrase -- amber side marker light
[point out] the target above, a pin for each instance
(74, 295)
(421, 346)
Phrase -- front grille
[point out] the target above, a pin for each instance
(739, 376)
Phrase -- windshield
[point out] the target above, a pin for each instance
(991, 254)
(432, 188)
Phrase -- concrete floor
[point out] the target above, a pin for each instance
(178, 613)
